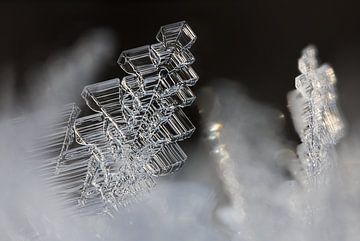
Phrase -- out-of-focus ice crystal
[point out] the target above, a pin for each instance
(132, 138)
(316, 116)
(57, 134)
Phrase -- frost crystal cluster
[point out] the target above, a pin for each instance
(316, 115)
(132, 137)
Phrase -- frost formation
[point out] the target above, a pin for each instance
(316, 116)
(132, 137)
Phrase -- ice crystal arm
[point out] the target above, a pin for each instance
(132, 138)
(316, 116)
(56, 135)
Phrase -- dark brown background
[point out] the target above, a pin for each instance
(254, 42)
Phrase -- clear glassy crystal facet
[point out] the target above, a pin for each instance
(132, 138)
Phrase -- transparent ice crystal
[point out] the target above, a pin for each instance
(132, 137)
(317, 118)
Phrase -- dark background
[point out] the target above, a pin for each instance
(254, 42)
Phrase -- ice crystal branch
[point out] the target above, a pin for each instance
(132, 138)
(316, 116)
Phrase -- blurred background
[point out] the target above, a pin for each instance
(256, 43)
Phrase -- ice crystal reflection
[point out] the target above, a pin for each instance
(132, 138)
(317, 118)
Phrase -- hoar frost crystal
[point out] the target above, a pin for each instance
(132, 137)
(316, 116)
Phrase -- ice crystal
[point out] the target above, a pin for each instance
(132, 138)
(55, 138)
(317, 118)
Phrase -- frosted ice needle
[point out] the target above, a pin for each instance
(316, 116)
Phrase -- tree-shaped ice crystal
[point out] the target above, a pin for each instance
(316, 116)
(133, 135)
